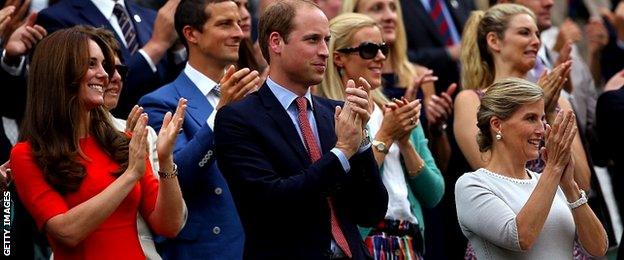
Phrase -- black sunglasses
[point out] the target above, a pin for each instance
(368, 50)
(122, 70)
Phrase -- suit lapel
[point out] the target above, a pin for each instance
(89, 12)
(143, 30)
(283, 122)
(325, 125)
(198, 106)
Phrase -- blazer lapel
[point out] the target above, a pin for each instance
(198, 106)
(325, 125)
(283, 122)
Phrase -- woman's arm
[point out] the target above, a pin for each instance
(465, 127)
(582, 173)
(428, 184)
(589, 229)
(167, 219)
(73, 226)
(533, 214)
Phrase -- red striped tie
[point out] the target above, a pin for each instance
(438, 18)
(315, 153)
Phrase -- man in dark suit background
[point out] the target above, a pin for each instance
(430, 45)
(300, 176)
(609, 130)
(210, 30)
(144, 36)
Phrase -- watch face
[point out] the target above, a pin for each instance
(380, 146)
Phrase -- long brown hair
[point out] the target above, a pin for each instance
(53, 109)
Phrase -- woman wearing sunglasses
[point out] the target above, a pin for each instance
(408, 170)
(83, 181)
(401, 78)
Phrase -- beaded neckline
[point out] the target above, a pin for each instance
(522, 181)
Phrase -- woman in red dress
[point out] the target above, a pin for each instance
(82, 181)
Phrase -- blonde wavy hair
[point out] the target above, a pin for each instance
(477, 62)
(342, 29)
(403, 68)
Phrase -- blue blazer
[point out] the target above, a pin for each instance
(141, 79)
(281, 196)
(213, 229)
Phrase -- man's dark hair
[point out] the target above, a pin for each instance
(192, 13)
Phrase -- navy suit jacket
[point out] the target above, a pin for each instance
(424, 44)
(213, 229)
(281, 196)
(141, 79)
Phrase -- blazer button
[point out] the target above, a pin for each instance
(216, 230)
(201, 164)
(218, 191)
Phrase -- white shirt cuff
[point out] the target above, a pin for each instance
(620, 43)
(343, 159)
(148, 59)
(14, 71)
(211, 119)
(364, 148)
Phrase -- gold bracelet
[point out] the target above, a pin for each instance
(169, 175)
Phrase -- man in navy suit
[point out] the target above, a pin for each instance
(148, 66)
(210, 30)
(301, 172)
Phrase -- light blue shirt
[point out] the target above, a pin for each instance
(286, 98)
(447, 16)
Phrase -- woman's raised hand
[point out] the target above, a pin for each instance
(407, 117)
(133, 118)
(138, 148)
(169, 131)
(552, 83)
(559, 137)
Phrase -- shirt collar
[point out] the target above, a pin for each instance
(106, 6)
(285, 96)
(203, 83)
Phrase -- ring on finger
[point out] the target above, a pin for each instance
(412, 121)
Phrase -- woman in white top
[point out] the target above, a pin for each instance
(357, 51)
(509, 212)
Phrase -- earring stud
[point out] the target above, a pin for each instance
(499, 136)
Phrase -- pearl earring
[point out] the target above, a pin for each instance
(499, 136)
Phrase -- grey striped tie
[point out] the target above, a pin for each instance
(126, 28)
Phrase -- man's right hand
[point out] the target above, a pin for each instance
(237, 84)
(164, 34)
